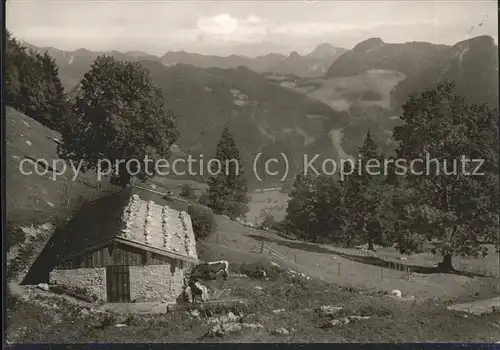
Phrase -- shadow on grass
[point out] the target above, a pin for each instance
(45, 262)
(369, 260)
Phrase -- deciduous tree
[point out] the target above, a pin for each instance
(121, 118)
(450, 210)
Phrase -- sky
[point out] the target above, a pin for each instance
(249, 28)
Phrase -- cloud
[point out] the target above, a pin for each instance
(225, 28)
(222, 24)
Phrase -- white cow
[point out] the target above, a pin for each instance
(205, 270)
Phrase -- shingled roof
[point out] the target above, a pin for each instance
(135, 216)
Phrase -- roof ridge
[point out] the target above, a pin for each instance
(161, 193)
(106, 195)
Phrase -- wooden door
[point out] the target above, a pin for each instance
(118, 284)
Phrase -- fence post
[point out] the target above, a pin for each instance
(339, 269)
(295, 258)
(261, 247)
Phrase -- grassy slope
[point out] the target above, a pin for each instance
(36, 199)
(239, 244)
(36, 203)
(236, 242)
(272, 202)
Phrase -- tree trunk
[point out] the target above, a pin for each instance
(446, 265)
(368, 236)
(370, 244)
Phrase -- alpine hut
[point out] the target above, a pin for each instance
(134, 245)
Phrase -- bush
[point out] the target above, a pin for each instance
(15, 235)
(187, 192)
(203, 221)
(254, 270)
(203, 199)
(270, 223)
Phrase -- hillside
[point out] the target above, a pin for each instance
(36, 199)
(312, 65)
(258, 64)
(263, 117)
(74, 64)
(472, 64)
(407, 58)
(372, 81)
(38, 203)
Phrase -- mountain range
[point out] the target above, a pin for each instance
(323, 102)
(73, 64)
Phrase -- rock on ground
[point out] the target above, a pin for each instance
(329, 310)
(281, 331)
(344, 321)
(229, 323)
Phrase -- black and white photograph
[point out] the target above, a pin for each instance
(251, 171)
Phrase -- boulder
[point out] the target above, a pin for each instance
(396, 293)
(281, 331)
(43, 286)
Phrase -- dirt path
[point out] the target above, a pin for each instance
(336, 136)
(27, 293)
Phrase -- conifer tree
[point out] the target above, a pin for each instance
(363, 194)
(300, 208)
(55, 111)
(315, 210)
(227, 187)
(33, 85)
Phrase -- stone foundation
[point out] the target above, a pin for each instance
(155, 283)
(147, 283)
(91, 280)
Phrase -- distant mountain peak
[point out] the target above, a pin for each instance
(482, 41)
(294, 54)
(368, 44)
(325, 50)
